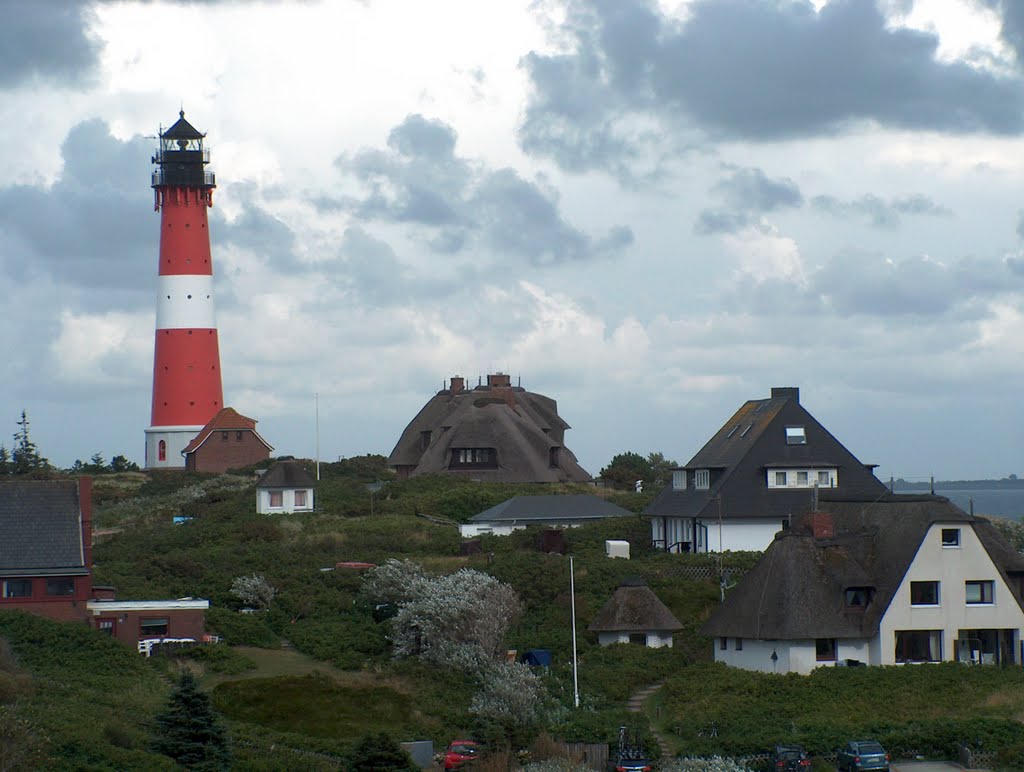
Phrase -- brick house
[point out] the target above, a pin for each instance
(228, 441)
(46, 567)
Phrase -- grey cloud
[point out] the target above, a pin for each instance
(45, 40)
(752, 189)
(758, 71)
(855, 283)
(95, 227)
(461, 204)
(1015, 265)
(715, 221)
(1020, 224)
(879, 212)
(1012, 28)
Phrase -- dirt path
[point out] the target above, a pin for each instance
(635, 704)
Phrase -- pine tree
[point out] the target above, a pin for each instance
(188, 730)
(25, 457)
(6, 467)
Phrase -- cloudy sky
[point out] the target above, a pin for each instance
(649, 211)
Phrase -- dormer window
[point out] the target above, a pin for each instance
(857, 597)
(795, 435)
(702, 479)
(951, 538)
(474, 458)
(679, 480)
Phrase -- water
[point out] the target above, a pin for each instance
(1003, 502)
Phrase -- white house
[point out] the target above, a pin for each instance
(768, 463)
(634, 614)
(550, 511)
(285, 488)
(906, 579)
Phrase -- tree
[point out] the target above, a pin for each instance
(625, 469)
(6, 467)
(25, 457)
(121, 464)
(510, 696)
(380, 753)
(188, 730)
(253, 591)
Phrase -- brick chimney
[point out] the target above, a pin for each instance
(786, 392)
(458, 384)
(822, 526)
(499, 379)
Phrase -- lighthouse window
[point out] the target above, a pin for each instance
(162, 451)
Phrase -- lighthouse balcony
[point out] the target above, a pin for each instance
(187, 177)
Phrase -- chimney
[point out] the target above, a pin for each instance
(822, 526)
(499, 379)
(786, 392)
(458, 384)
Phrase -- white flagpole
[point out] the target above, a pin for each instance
(575, 674)
(317, 396)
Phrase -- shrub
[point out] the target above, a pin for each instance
(242, 629)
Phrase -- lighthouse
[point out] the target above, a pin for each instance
(187, 390)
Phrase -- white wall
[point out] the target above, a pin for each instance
(742, 534)
(287, 501)
(793, 656)
(468, 530)
(655, 639)
(951, 567)
(176, 437)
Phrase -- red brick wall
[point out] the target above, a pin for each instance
(63, 607)
(219, 455)
(181, 623)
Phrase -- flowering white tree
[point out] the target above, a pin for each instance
(458, 619)
(253, 591)
(511, 694)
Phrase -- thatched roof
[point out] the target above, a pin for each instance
(633, 608)
(287, 473)
(797, 589)
(522, 428)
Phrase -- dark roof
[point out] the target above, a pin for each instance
(226, 419)
(286, 474)
(582, 506)
(41, 523)
(797, 588)
(182, 129)
(521, 426)
(740, 453)
(633, 607)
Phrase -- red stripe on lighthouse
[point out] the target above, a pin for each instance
(186, 378)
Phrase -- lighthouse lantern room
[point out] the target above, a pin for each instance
(187, 389)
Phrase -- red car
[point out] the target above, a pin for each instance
(461, 753)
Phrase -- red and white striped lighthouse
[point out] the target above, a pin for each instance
(187, 389)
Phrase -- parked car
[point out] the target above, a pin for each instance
(859, 755)
(636, 763)
(790, 758)
(461, 754)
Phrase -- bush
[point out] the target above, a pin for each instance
(240, 629)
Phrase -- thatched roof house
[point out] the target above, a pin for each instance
(286, 487)
(635, 615)
(494, 432)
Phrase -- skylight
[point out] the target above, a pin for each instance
(795, 435)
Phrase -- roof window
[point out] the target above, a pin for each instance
(732, 431)
(795, 435)
(744, 432)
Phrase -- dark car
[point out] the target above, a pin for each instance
(461, 754)
(790, 758)
(635, 763)
(858, 755)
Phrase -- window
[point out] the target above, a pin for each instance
(60, 585)
(679, 480)
(424, 440)
(744, 432)
(924, 593)
(640, 638)
(918, 645)
(801, 479)
(979, 592)
(780, 479)
(276, 499)
(300, 498)
(161, 450)
(732, 431)
(702, 479)
(795, 435)
(153, 626)
(478, 458)
(553, 457)
(825, 649)
(857, 597)
(950, 537)
(238, 436)
(105, 626)
(723, 644)
(823, 480)
(224, 436)
(739, 644)
(17, 588)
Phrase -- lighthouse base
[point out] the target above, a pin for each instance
(164, 445)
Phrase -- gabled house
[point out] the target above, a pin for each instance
(228, 441)
(285, 488)
(46, 567)
(768, 463)
(550, 511)
(495, 432)
(45, 547)
(905, 579)
(634, 614)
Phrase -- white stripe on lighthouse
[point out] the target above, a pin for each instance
(185, 302)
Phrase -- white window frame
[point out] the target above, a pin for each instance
(678, 479)
(781, 479)
(796, 435)
(981, 584)
(702, 479)
(952, 544)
